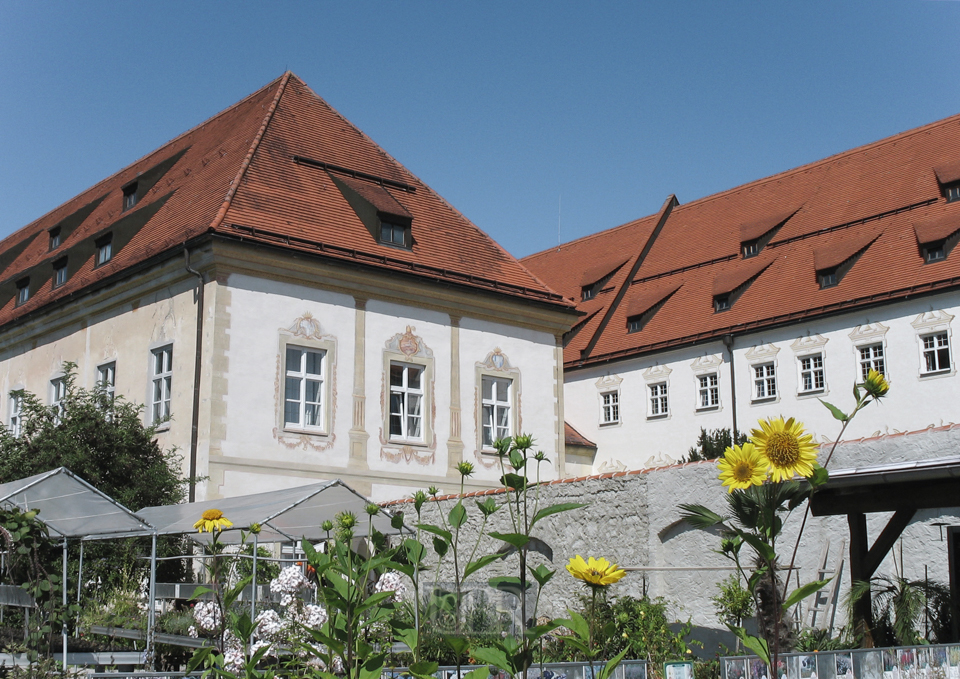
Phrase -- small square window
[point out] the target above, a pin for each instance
(828, 278)
(54, 237)
(936, 353)
(129, 195)
(871, 358)
(812, 374)
(659, 406)
(635, 324)
(952, 191)
(59, 272)
(104, 249)
(393, 234)
(588, 292)
(721, 302)
(764, 381)
(709, 391)
(610, 407)
(23, 291)
(751, 248)
(934, 252)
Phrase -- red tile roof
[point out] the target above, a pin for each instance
(876, 200)
(263, 171)
(575, 438)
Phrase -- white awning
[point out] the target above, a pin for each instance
(72, 508)
(283, 515)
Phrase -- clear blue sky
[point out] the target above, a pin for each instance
(502, 107)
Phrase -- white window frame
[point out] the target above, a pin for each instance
(807, 367)
(610, 407)
(708, 385)
(764, 377)
(303, 377)
(16, 415)
(60, 275)
(161, 384)
(23, 292)
(104, 250)
(406, 394)
(934, 351)
(875, 361)
(58, 392)
(107, 378)
(658, 400)
(493, 407)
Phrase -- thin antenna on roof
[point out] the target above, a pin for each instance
(559, 208)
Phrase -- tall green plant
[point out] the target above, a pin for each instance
(518, 462)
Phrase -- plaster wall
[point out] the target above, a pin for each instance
(638, 441)
(119, 327)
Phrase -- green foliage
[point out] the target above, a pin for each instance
(906, 612)
(243, 567)
(105, 443)
(711, 445)
(815, 640)
(733, 602)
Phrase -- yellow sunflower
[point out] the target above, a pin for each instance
(876, 384)
(595, 572)
(742, 467)
(212, 519)
(788, 449)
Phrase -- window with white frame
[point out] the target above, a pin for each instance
(303, 388)
(104, 247)
(936, 352)
(162, 379)
(811, 373)
(58, 391)
(496, 413)
(764, 381)
(16, 418)
(610, 407)
(708, 390)
(107, 378)
(406, 401)
(659, 405)
(871, 358)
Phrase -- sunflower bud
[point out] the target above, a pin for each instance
(418, 499)
(327, 526)
(371, 509)
(433, 490)
(876, 384)
(465, 469)
(255, 528)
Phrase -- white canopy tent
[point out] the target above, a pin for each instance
(72, 509)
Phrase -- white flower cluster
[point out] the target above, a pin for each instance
(207, 615)
(233, 654)
(289, 583)
(308, 615)
(391, 582)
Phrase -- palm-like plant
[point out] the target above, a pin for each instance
(901, 608)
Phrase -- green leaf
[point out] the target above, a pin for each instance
(487, 507)
(436, 530)
(820, 476)
(457, 644)
(518, 540)
(424, 668)
(534, 633)
(541, 574)
(802, 593)
(415, 550)
(577, 624)
(856, 391)
(555, 509)
(474, 566)
(511, 585)
(763, 549)
(479, 673)
(396, 521)
(755, 644)
(837, 413)
(373, 667)
(514, 481)
(699, 516)
(458, 515)
(517, 460)
(612, 664)
(493, 656)
(440, 546)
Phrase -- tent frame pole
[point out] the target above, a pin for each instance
(152, 611)
(63, 623)
(253, 596)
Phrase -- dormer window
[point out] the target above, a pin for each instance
(54, 238)
(59, 272)
(952, 191)
(828, 278)
(588, 292)
(129, 195)
(104, 249)
(393, 234)
(635, 324)
(721, 302)
(934, 252)
(751, 248)
(23, 291)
